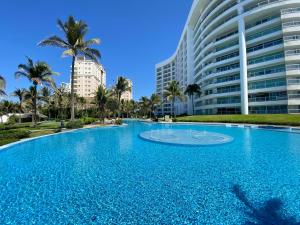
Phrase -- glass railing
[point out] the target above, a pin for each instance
(228, 67)
(293, 96)
(228, 78)
(225, 57)
(293, 67)
(266, 58)
(267, 84)
(262, 21)
(231, 44)
(291, 24)
(265, 45)
(232, 100)
(266, 71)
(261, 3)
(292, 52)
(228, 89)
(268, 98)
(291, 38)
(290, 10)
(293, 81)
(263, 33)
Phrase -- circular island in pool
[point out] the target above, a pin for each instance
(185, 137)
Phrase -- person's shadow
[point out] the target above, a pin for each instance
(269, 214)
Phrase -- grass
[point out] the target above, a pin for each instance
(271, 119)
(13, 133)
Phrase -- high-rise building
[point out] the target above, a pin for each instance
(88, 76)
(66, 87)
(127, 95)
(244, 54)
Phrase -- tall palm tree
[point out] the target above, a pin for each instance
(2, 85)
(101, 100)
(121, 87)
(38, 73)
(145, 106)
(191, 90)
(74, 44)
(46, 97)
(20, 94)
(173, 92)
(153, 102)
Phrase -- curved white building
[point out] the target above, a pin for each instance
(245, 55)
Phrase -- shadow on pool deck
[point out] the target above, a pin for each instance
(269, 214)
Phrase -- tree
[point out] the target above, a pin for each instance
(2, 85)
(145, 106)
(173, 92)
(74, 44)
(46, 97)
(20, 94)
(112, 105)
(101, 100)
(191, 90)
(153, 102)
(38, 73)
(31, 98)
(121, 87)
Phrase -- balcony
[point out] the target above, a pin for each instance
(261, 4)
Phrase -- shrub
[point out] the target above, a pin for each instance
(88, 120)
(119, 122)
(14, 134)
(74, 124)
(12, 120)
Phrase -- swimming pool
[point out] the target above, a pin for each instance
(112, 176)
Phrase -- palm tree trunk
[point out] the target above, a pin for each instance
(72, 90)
(193, 104)
(20, 111)
(34, 118)
(173, 108)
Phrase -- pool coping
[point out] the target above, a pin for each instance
(4, 147)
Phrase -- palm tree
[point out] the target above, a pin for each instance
(59, 96)
(38, 73)
(101, 100)
(145, 105)
(2, 85)
(46, 97)
(20, 94)
(173, 92)
(121, 87)
(153, 102)
(74, 45)
(191, 90)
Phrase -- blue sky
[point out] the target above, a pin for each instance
(135, 35)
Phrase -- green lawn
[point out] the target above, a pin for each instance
(16, 132)
(274, 119)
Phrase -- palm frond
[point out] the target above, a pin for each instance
(54, 41)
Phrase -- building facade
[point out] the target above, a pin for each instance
(127, 95)
(88, 76)
(66, 87)
(244, 54)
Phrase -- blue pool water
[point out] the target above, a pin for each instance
(112, 176)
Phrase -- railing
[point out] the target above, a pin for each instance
(262, 3)
(265, 58)
(269, 98)
(292, 52)
(293, 81)
(293, 67)
(291, 24)
(294, 110)
(266, 71)
(290, 10)
(294, 96)
(265, 45)
(291, 38)
(263, 33)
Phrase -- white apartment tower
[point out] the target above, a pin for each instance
(127, 95)
(88, 76)
(244, 54)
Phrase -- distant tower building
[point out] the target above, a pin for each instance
(127, 95)
(66, 87)
(88, 76)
